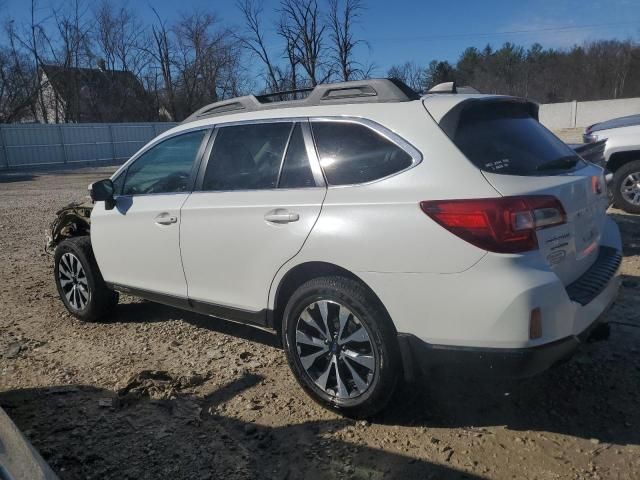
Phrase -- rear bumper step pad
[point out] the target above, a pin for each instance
(595, 280)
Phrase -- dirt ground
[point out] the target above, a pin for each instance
(216, 400)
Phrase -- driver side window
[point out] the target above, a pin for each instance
(165, 167)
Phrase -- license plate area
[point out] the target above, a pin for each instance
(587, 233)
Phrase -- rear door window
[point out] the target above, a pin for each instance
(247, 157)
(351, 153)
(504, 138)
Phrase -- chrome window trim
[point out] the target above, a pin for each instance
(388, 134)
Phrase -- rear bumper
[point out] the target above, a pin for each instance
(422, 358)
(489, 305)
(593, 294)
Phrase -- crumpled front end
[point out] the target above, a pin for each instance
(71, 221)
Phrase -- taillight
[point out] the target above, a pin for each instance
(502, 225)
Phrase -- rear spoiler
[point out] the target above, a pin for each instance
(591, 152)
(449, 122)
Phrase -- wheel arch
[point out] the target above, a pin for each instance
(619, 159)
(301, 273)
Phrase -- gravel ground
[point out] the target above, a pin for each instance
(159, 393)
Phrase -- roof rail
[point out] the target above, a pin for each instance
(376, 90)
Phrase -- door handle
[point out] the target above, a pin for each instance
(280, 215)
(166, 219)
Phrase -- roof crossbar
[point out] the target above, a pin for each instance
(377, 90)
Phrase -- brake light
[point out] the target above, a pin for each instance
(502, 225)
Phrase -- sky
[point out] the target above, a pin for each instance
(421, 31)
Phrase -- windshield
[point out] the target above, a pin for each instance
(503, 137)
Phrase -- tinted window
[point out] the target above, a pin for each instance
(505, 138)
(164, 168)
(296, 171)
(247, 157)
(352, 153)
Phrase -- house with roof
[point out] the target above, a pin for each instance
(80, 95)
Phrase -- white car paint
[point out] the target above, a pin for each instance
(134, 250)
(434, 285)
(227, 232)
(623, 139)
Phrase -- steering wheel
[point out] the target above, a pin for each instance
(175, 182)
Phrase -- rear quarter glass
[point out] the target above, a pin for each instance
(351, 153)
(504, 138)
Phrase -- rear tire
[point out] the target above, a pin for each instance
(341, 346)
(626, 187)
(79, 281)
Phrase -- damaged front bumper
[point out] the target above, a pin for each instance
(72, 220)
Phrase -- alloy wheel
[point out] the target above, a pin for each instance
(630, 188)
(335, 349)
(73, 281)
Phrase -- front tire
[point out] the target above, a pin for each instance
(341, 346)
(79, 281)
(626, 187)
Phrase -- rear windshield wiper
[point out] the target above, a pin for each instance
(561, 163)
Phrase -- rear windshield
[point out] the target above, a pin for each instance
(503, 137)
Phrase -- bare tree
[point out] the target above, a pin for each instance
(162, 52)
(120, 38)
(16, 84)
(32, 41)
(253, 39)
(288, 74)
(207, 55)
(342, 16)
(411, 74)
(302, 27)
(72, 51)
(74, 41)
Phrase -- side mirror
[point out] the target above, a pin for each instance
(102, 191)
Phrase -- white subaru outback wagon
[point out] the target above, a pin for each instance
(383, 235)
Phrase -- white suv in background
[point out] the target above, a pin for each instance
(621, 155)
(381, 234)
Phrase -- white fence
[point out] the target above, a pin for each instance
(39, 145)
(582, 114)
